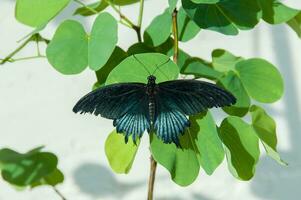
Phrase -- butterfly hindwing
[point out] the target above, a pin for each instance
(169, 121)
(135, 121)
(111, 101)
(192, 96)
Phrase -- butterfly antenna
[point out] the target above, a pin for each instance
(145, 67)
(158, 68)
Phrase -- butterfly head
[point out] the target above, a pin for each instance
(151, 79)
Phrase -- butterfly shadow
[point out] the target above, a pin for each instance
(98, 181)
(273, 181)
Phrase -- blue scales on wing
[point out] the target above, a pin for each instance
(135, 121)
(180, 98)
(124, 103)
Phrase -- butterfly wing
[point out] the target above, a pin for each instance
(125, 103)
(177, 99)
(169, 122)
(111, 101)
(193, 96)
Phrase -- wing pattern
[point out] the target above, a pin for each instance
(192, 96)
(170, 122)
(111, 101)
(135, 121)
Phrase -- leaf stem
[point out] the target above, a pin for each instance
(28, 58)
(59, 193)
(9, 57)
(140, 18)
(151, 181)
(175, 35)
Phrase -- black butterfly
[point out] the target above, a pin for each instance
(162, 108)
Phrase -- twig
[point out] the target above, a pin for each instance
(175, 35)
(152, 175)
(9, 57)
(58, 193)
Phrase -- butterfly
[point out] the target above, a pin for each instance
(161, 108)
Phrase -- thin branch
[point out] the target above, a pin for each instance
(28, 58)
(59, 193)
(141, 13)
(9, 57)
(152, 176)
(175, 35)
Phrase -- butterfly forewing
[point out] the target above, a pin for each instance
(192, 96)
(111, 101)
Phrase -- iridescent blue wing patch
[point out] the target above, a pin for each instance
(135, 121)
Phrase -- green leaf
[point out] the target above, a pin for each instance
(102, 74)
(182, 163)
(98, 6)
(124, 2)
(225, 16)
(295, 24)
(68, 50)
(53, 179)
(187, 28)
(131, 70)
(234, 85)
(207, 141)
(159, 30)
(275, 12)
(261, 79)
(265, 128)
(36, 13)
(120, 155)
(103, 40)
(200, 68)
(224, 61)
(241, 146)
(206, 1)
(26, 169)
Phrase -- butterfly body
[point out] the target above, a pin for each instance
(161, 108)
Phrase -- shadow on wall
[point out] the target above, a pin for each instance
(273, 181)
(98, 181)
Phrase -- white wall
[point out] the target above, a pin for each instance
(36, 103)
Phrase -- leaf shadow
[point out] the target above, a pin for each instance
(98, 181)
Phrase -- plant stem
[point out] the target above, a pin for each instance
(28, 58)
(151, 181)
(9, 57)
(58, 193)
(175, 35)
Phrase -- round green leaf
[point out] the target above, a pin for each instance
(241, 147)
(187, 29)
(265, 128)
(224, 61)
(120, 155)
(225, 16)
(205, 1)
(182, 163)
(159, 30)
(234, 85)
(85, 11)
(275, 12)
(261, 79)
(26, 169)
(133, 70)
(68, 50)
(103, 40)
(207, 141)
(200, 68)
(102, 74)
(36, 13)
(123, 2)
